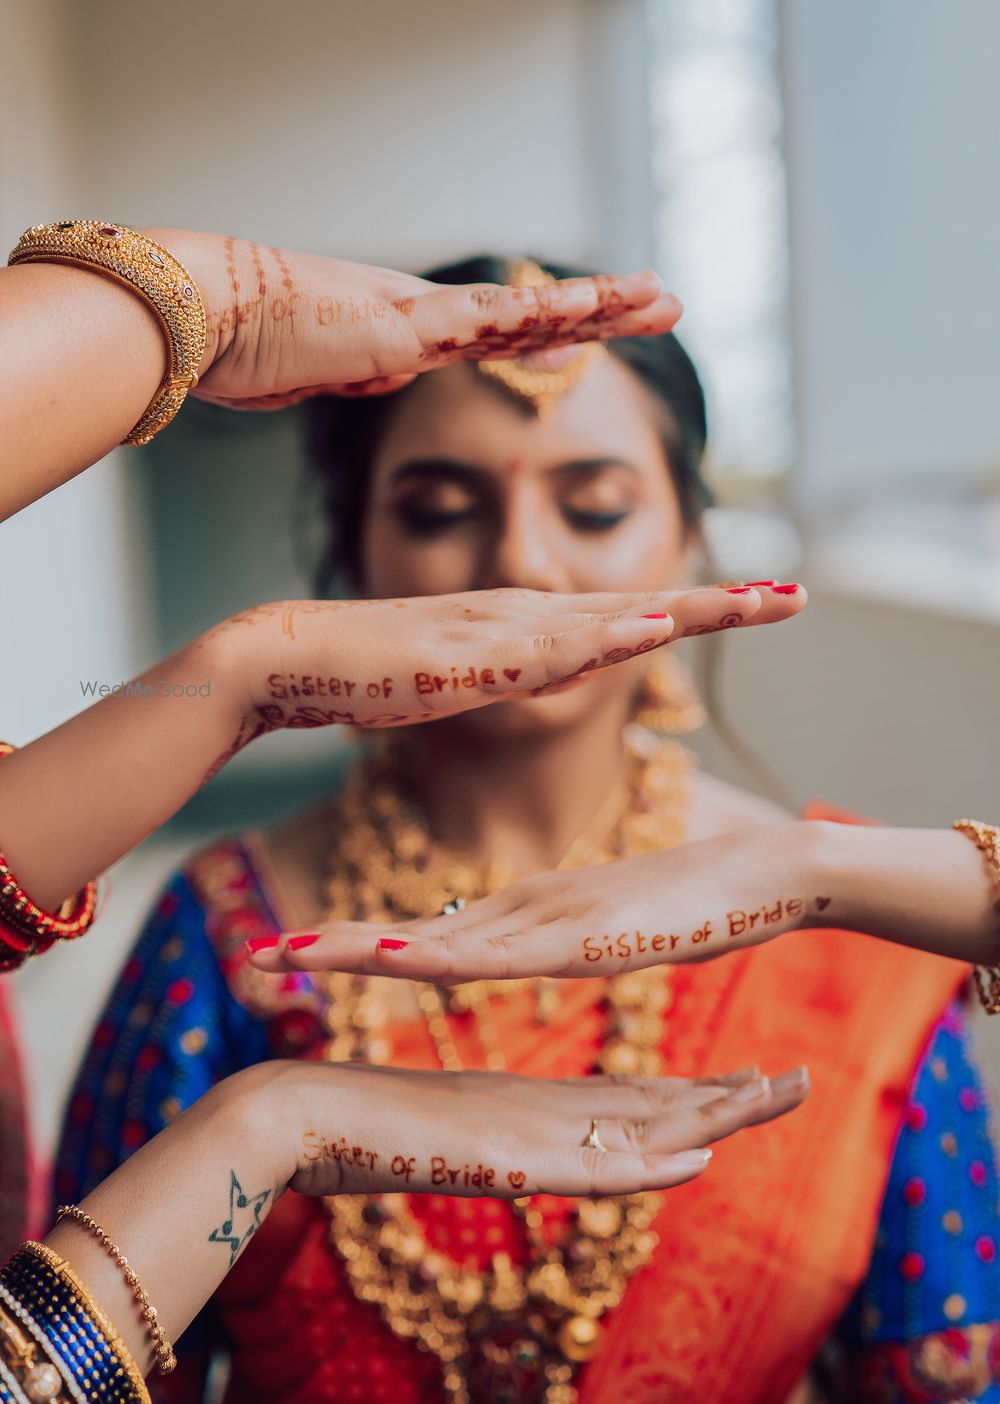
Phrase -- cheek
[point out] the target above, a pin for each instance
(395, 563)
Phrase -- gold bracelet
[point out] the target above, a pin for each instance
(163, 1350)
(987, 840)
(152, 272)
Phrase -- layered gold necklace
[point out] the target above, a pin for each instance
(516, 1332)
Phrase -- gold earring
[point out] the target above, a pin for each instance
(668, 700)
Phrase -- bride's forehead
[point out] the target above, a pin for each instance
(458, 412)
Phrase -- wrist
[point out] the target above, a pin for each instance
(262, 1107)
(203, 257)
(221, 654)
(821, 850)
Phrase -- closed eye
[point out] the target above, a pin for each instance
(582, 520)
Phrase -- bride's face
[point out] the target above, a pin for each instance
(470, 492)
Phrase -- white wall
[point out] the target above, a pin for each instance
(73, 587)
(396, 133)
(892, 116)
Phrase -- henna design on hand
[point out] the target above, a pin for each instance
(736, 923)
(338, 1150)
(480, 1177)
(286, 610)
(316, 1147)
(728, 621)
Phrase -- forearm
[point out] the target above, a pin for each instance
(82, 796)
(167, 1208)
(81, 357)
(927, 888)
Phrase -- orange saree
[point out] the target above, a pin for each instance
(756, 1260)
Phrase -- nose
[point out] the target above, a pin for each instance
(525, 551)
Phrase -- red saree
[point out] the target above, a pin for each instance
(756, 1260)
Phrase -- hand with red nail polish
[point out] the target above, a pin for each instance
(186, 1204)
(301, 664)
(388, 663)
(685, 904)
(300, 943)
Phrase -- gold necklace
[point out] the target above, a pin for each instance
(510, 1331)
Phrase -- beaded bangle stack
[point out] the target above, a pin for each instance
(26, 929)
(987, 840)
(56, 1344)
(155, 275)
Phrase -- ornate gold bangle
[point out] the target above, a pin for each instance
(152, 272)
(162, 1349)
(987, 840)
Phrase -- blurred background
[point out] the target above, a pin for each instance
(821, 185)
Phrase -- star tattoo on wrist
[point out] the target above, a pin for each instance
(244, 1217)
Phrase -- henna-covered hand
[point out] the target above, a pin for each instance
(283, 326)
(185, 1206)
(384, 1130)
(385, 663)
(686, 904)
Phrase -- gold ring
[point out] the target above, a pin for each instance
(593, 1141)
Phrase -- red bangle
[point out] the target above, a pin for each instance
(27, 929)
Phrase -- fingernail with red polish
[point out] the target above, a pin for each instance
(262, 943)
(389, 943)
(299, 943)
(656, 616)
(783, 589)
(762, 582)
(739, 590)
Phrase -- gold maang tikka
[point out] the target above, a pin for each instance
(535, 378)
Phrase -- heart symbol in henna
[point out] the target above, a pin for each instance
(516, 1178)
(512, 673)
(822, 903)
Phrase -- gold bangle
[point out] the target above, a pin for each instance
(162, 1349)
(987, 840)
(152, 272)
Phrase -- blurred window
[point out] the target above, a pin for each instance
(721, 221)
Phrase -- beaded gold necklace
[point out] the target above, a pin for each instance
(511, 1331)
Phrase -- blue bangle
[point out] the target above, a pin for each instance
(78, 1336)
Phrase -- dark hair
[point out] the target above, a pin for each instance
(343, 434)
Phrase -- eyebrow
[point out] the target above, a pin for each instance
(458, 471)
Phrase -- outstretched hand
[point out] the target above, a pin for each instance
(381, 663)
(501, 1135)
(283, 325)
(685, 904)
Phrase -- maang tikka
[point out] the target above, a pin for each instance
(541, 377)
